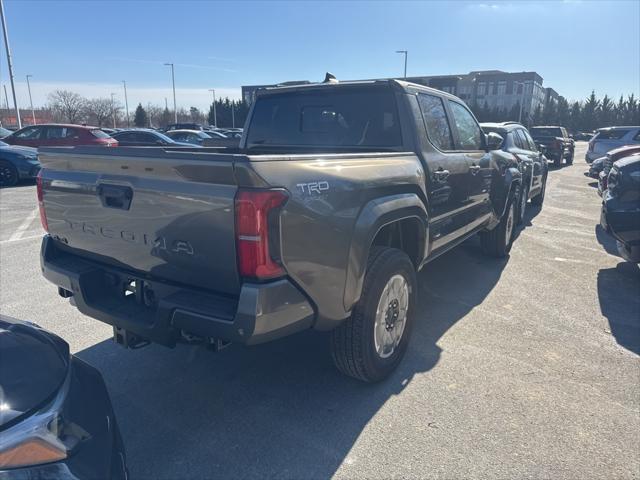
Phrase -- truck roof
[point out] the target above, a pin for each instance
(392, 82)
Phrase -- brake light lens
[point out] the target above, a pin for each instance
(43, 214)
(254, 211)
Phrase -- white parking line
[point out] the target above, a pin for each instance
(21, 239)
(17, 235)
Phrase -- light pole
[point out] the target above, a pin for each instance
(33, 113)
(233, 115)
(173, 81)
(6, 44)
(405, 52)
(113, 110)
(521, 100)
(215, 115)
(126, 102)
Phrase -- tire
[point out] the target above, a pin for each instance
(630, 254)
(538, 200)
(355, 347)
(558, 160)
(522, 203)
(570, 159)
(8, 174)
(497, 242)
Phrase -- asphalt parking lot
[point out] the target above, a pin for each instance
(522, 368)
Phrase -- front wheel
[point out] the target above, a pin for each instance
(371, 343)
(498, 242)
(630, 254)
(8, 174)
(522, 204)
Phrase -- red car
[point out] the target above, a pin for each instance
(59, 135)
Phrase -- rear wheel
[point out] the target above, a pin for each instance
(558, 160)
(8, 174)
(498, 242)
(570, 159)
(369, 345)
(539, 198)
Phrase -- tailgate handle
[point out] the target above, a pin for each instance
(115, 196)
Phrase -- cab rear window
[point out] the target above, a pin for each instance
(350, 117)
(545, 132)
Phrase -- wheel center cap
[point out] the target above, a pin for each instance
(393, 311)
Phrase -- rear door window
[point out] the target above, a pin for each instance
(521, 140)
(347, 117)
(435, 119)
(469, 132)
(532, 144)
(614, 134)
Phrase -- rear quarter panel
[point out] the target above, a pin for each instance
(327, 194)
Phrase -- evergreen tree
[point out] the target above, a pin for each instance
(575, 122)
(589, 112)
(605, 112)
(140, 118)
(563, 115)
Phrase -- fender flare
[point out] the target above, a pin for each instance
(511, 181)
(374, 215)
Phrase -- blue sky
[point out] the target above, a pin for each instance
(90, 46)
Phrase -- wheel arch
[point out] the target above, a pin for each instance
(400, 221)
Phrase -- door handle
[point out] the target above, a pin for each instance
(441, 175)
(474, 169)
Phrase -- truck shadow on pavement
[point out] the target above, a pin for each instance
(618, 293)
(275, 410)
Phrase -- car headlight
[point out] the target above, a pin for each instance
(44, 437)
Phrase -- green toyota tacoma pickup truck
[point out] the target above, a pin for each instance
(337, 195)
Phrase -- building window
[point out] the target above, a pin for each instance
(502, 88)
(481, 86)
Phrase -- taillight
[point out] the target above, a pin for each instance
(43, 214)
(256, 211)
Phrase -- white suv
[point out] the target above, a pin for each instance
(609, 138)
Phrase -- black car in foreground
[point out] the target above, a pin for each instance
(531, 162)
(621, 207)
(17, 163)
(56, 419)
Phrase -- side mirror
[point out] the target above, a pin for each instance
(493, 141)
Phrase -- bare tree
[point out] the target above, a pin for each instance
(154, 112)
(67, 105)
(98, 111)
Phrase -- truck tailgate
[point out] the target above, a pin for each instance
(167, 215)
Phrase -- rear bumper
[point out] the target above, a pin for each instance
(159, 312)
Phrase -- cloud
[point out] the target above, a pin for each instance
(185, 97)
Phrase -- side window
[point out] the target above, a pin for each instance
(636, 138)
(146, 138)
(522, 140)
(29, 133)
(126, 137)
(435, 118)
(469, 133)
(55, 133)
(532, 145)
